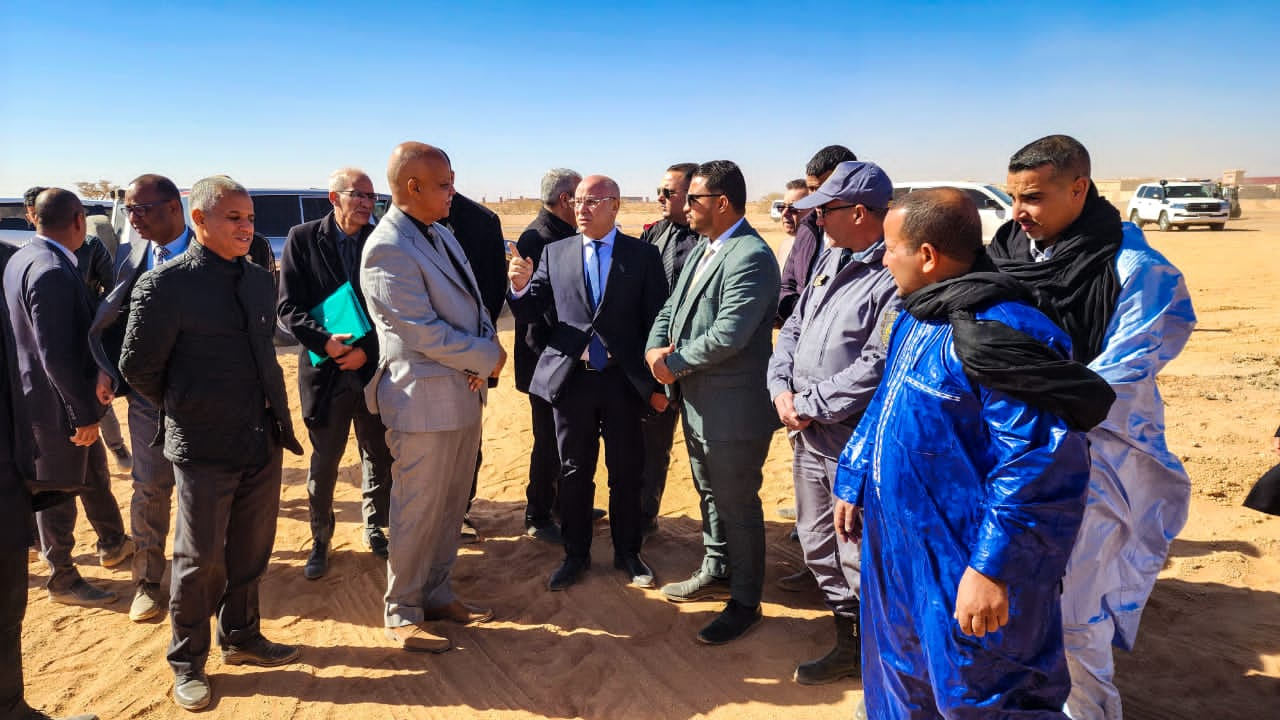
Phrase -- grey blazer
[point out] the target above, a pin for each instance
(432, 328)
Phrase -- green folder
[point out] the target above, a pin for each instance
(340, 313)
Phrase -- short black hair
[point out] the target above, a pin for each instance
(57, 209)
(724, 176)
(826, 160)
(163, 185)
(944, 217)
(797, 184)
(1063, 152)
(29, 197)
(686, 169)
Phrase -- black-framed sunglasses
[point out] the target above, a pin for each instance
(787, 209)
(694, 198)
(141, 209)
(667, 193)
(359, 195)
(823, 211)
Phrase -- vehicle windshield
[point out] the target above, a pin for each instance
(1186, 191)
(1000, 194)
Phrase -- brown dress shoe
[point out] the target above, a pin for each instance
(460, 612)
(418, 638)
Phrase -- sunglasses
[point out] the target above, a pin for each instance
(667, 193)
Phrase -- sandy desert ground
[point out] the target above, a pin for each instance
(1210, 646)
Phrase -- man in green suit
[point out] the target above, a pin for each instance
(710, 346)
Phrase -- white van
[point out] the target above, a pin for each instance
(994, 206)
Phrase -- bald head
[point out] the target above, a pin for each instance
(943, 217)
(596, 205)
(59, 215)
(421, 181)
(930, 236)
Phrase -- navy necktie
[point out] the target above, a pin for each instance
(597, 355)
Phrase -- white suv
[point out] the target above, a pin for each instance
(1178, 204)
(995, 207)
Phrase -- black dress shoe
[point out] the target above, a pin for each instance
(376, 540)
(734, 622)
(549, 533)
(641, 574)
(317, 562)
(260, 652)
(568, 572)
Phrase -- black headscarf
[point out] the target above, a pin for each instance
(1079, 282)
(1002, 358)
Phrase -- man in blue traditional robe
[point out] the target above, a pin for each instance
(971, 467)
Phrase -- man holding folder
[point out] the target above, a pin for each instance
(319, 296)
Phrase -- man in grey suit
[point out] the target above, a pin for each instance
(823, 373)
(438, 349)
(153, 206)
(710, 345)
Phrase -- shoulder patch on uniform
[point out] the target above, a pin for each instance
(886, 324)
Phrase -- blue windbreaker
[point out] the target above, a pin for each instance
(952, 475)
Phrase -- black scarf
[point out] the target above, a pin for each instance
(1078, 286)
(1011, 361)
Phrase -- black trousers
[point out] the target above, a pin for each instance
(544, 465)
(226, 526)
(13, 606)
(659, 432)
(595, 406)
(329, 442)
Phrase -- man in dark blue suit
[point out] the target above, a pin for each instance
(17, 468)
(602, 290)
(50, 311)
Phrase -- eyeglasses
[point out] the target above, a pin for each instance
(141, 209)
(358, 195)
(695, 198)
(667, 193)
(787, 209)
(826, 210)
(590, 203)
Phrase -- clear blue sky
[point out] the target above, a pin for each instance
(280, 93)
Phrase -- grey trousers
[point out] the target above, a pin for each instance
(152, 493)
(226, 526)
(109, 426)
(834, 564)
(57, 524)
(432, 472)
(659, 432)
(329, 442)
(728, 475)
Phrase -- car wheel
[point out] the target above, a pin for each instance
(1218, 226)
(1135, 218)
(1163, 222)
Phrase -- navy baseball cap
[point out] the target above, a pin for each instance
(853, 181)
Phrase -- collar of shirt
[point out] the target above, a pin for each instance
(63, 248)
(175, 247)
(715, 245)
(607, 239)
(862, 255)
(1039, 254)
